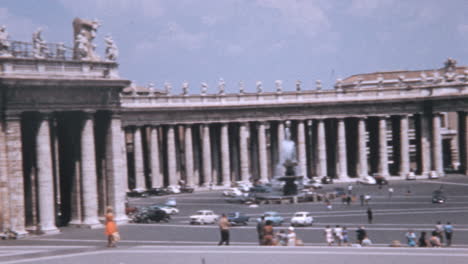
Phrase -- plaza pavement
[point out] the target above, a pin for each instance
(179, 242)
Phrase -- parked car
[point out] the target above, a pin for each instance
(238, 218)
(243, 186)
(380, 180)
(137, 193)
(168, 209)
(368, 180)
(313, 183)
(438, 196)
(148, 215)
(274, 217)
(204, 217)
(260, 189)
(157, 191)
(186, 189)
(302, 219)
(244, 198)
(327, 180)
(339, 191)
(232, 192)
(411, 176)
(173, 189)
(171, 202)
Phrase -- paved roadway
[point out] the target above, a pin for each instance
(178, 242)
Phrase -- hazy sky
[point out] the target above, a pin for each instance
(250, 40)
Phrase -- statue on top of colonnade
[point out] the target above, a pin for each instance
(4, 42)
(84, 34)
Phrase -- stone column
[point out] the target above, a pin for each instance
(139, 161)
(12, 162)
(76, 204)
(225, 154)
(89, 173)
(206, 149)
(322, 149)
(301, 149)
(45, 180)
(171, 156)
(425, 150)
(116, 169)
(463, 141)
(4, 190)
(362, 149)
(280, 139)
(262, 152)
(244, 152)
(342, 158)
(437, 151)
(156, 176)
(404, 147)
(189, 156)
(383, 154)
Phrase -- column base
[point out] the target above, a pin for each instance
(227, 184)
(50, 231)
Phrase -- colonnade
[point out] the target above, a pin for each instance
(344, 148)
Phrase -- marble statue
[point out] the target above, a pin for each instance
(423, 78)
(241, 87)
(318, 84)
(221, 86)
(39, 45)
(168, 87)
(185, 88)
(60, 52)
(85, 32)
(204, 88)
(81, 46)
(450, 67)
(259, 87)
(279, 86)
(4, 42)
(339, 84)
(298, 85)
(112, 53)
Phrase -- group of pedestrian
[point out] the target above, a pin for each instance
(267, 236)
(435, 240)
(338, 235)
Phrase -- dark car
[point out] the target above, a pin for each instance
(438, 196)
(339, 191)
(148, 215)
(137, 193)
(157, 191)
(237, 218)
(327, 180)
(260, 189)
(186, 189)
(246, 198)
(379, 180)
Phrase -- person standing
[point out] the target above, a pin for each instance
(439, 228)
(224, 228)
(390, 192)
(361, 197)
(260, 226)
(291, 237)
(370, 216)
(345, 236)
(411, 238)
(361, 234)
(268, 233)
(448, 230)
(422, 242)
(338, 231)
(111, 228)
(328, 232)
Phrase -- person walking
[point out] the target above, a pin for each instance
(361, 234)
(260, 226)
(338, 232)
(439, 228)
(448, 230)
(422, 242)
(291, 237)
(411, 238)
(390, 192)
(224, 229)
(328, 232)
(268, 233)
(111, 232)
(370, 216)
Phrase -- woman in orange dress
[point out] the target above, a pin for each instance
(111, 227)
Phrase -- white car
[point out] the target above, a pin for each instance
(204, 217)
(173, 189)
(232, 192)
(169, 210)
(312, 183)
(369, 180)
(302, 219)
